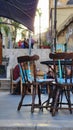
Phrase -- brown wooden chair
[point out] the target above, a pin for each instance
(63, 84)
(14, 83)
(28, 78)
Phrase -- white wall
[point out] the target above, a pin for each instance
(14, 53)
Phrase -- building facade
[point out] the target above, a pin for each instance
(64, 19)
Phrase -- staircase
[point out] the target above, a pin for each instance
(5, 84)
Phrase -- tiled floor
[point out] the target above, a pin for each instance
(10, 118)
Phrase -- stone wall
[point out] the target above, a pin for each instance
(14, 53)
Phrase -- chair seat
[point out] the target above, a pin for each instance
(62, 80)
(45, 80)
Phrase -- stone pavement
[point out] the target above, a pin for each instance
(11, 119)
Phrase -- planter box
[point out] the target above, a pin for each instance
(45, 47)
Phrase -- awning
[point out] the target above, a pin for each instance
(22, 11)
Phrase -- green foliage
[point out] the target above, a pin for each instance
(6, 29)
(45, 43)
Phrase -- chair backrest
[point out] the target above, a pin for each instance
(27, 67)
(63, 66)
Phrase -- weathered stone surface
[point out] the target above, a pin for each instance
(14, 53)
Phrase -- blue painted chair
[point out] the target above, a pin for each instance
(63, 84)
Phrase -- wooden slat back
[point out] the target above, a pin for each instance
(68, 63)
(28, 63)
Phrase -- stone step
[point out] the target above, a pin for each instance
(4, 84)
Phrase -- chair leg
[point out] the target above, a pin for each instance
(67, 94)
(39, 97)
(33, 98)
(39, 105)
(22, 97)
(48, 101)
(55, 101)
(20, 103)
(50, 95)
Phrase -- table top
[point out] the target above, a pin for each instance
(50, 62)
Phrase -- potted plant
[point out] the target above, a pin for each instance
(46, 45)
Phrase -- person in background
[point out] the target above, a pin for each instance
(32, 42)
(22, 44)
(50, 73)
(19, 43)
(26, 43)
(68, 70)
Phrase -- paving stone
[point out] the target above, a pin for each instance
(11, 119)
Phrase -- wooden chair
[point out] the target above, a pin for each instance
(14, 83)
(63, 84)
(28, 78)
